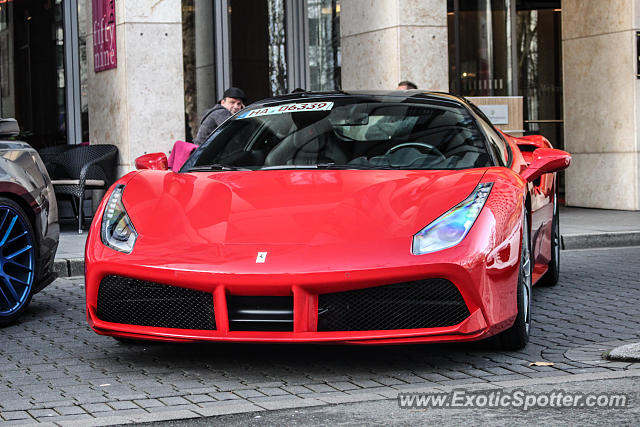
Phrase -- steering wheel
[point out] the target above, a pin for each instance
(417, 144)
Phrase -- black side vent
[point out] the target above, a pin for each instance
(138, 302)
(260, 313)
(426, 303)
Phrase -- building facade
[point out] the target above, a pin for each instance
(574, 63)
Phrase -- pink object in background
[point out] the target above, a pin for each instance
(105, 52)
(179, 154)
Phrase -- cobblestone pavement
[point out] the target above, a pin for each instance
(54, 369)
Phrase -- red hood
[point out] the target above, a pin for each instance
(291, 207)
(305, 220)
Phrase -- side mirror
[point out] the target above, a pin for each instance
(154, 161)
(9, 127)
(546, 160)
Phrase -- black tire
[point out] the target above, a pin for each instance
(517, 336)
(17, 272)
(552, 275)
(128, 341)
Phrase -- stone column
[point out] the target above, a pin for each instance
(139, 106)
(386, 41)
(205, 61)
(601, 103)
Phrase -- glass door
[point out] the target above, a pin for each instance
(33, 69)
(39, 70)
(481, 51)
(258, 47)
(540, 69)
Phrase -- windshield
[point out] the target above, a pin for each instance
(346, 133)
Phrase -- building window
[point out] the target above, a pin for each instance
(481, 47)
(277, 48)
(258, 47)
(540, 70)
(32, 70)
(324, 44)
(83, 14)
(198, 62)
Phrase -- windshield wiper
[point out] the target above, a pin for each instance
(339, 166)
(284, 167)
(217, 167)
(332, 166)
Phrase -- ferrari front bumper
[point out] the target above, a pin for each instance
(176, 306)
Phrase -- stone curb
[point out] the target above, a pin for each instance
(601, 240)
(625, 353)
(69, 267)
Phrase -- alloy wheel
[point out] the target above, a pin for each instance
(17, 261)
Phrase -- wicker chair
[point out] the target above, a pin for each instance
(84, 167)
(50, 154)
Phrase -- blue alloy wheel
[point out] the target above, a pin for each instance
(17, 261)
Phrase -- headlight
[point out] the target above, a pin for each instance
(453, 226)
(117, 231)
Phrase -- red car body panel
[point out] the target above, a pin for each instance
(218, 221)
(542, 194)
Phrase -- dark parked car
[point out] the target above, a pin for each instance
(29, 228)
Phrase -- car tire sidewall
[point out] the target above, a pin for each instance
(517, 336)
(7, 320)
(552, 275)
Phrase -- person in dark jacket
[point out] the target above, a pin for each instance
(232, 101)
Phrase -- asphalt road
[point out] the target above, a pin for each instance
(388, 412)
(53, 368)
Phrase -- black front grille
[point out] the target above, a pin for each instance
(260, 313)
(426, 303)
(138, 302)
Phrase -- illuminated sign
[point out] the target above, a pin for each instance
(105, 52)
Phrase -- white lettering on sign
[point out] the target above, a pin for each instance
(105, 52)
(287, 108)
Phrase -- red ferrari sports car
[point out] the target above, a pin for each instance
(370, 218)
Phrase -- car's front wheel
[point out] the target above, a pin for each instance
(17, 261)
(517, 336)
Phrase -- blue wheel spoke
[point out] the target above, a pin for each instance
(26, 267)
(9, 230)
(6, 298)
(4, 218)
(18, 252)
(18, 236)
(15, 279)
(8, 286)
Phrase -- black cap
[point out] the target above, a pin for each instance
(234, 92)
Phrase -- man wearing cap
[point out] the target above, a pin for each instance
(232, 101)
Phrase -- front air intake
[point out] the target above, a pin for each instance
(260, 313)
(428, 303)
(143, 303)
